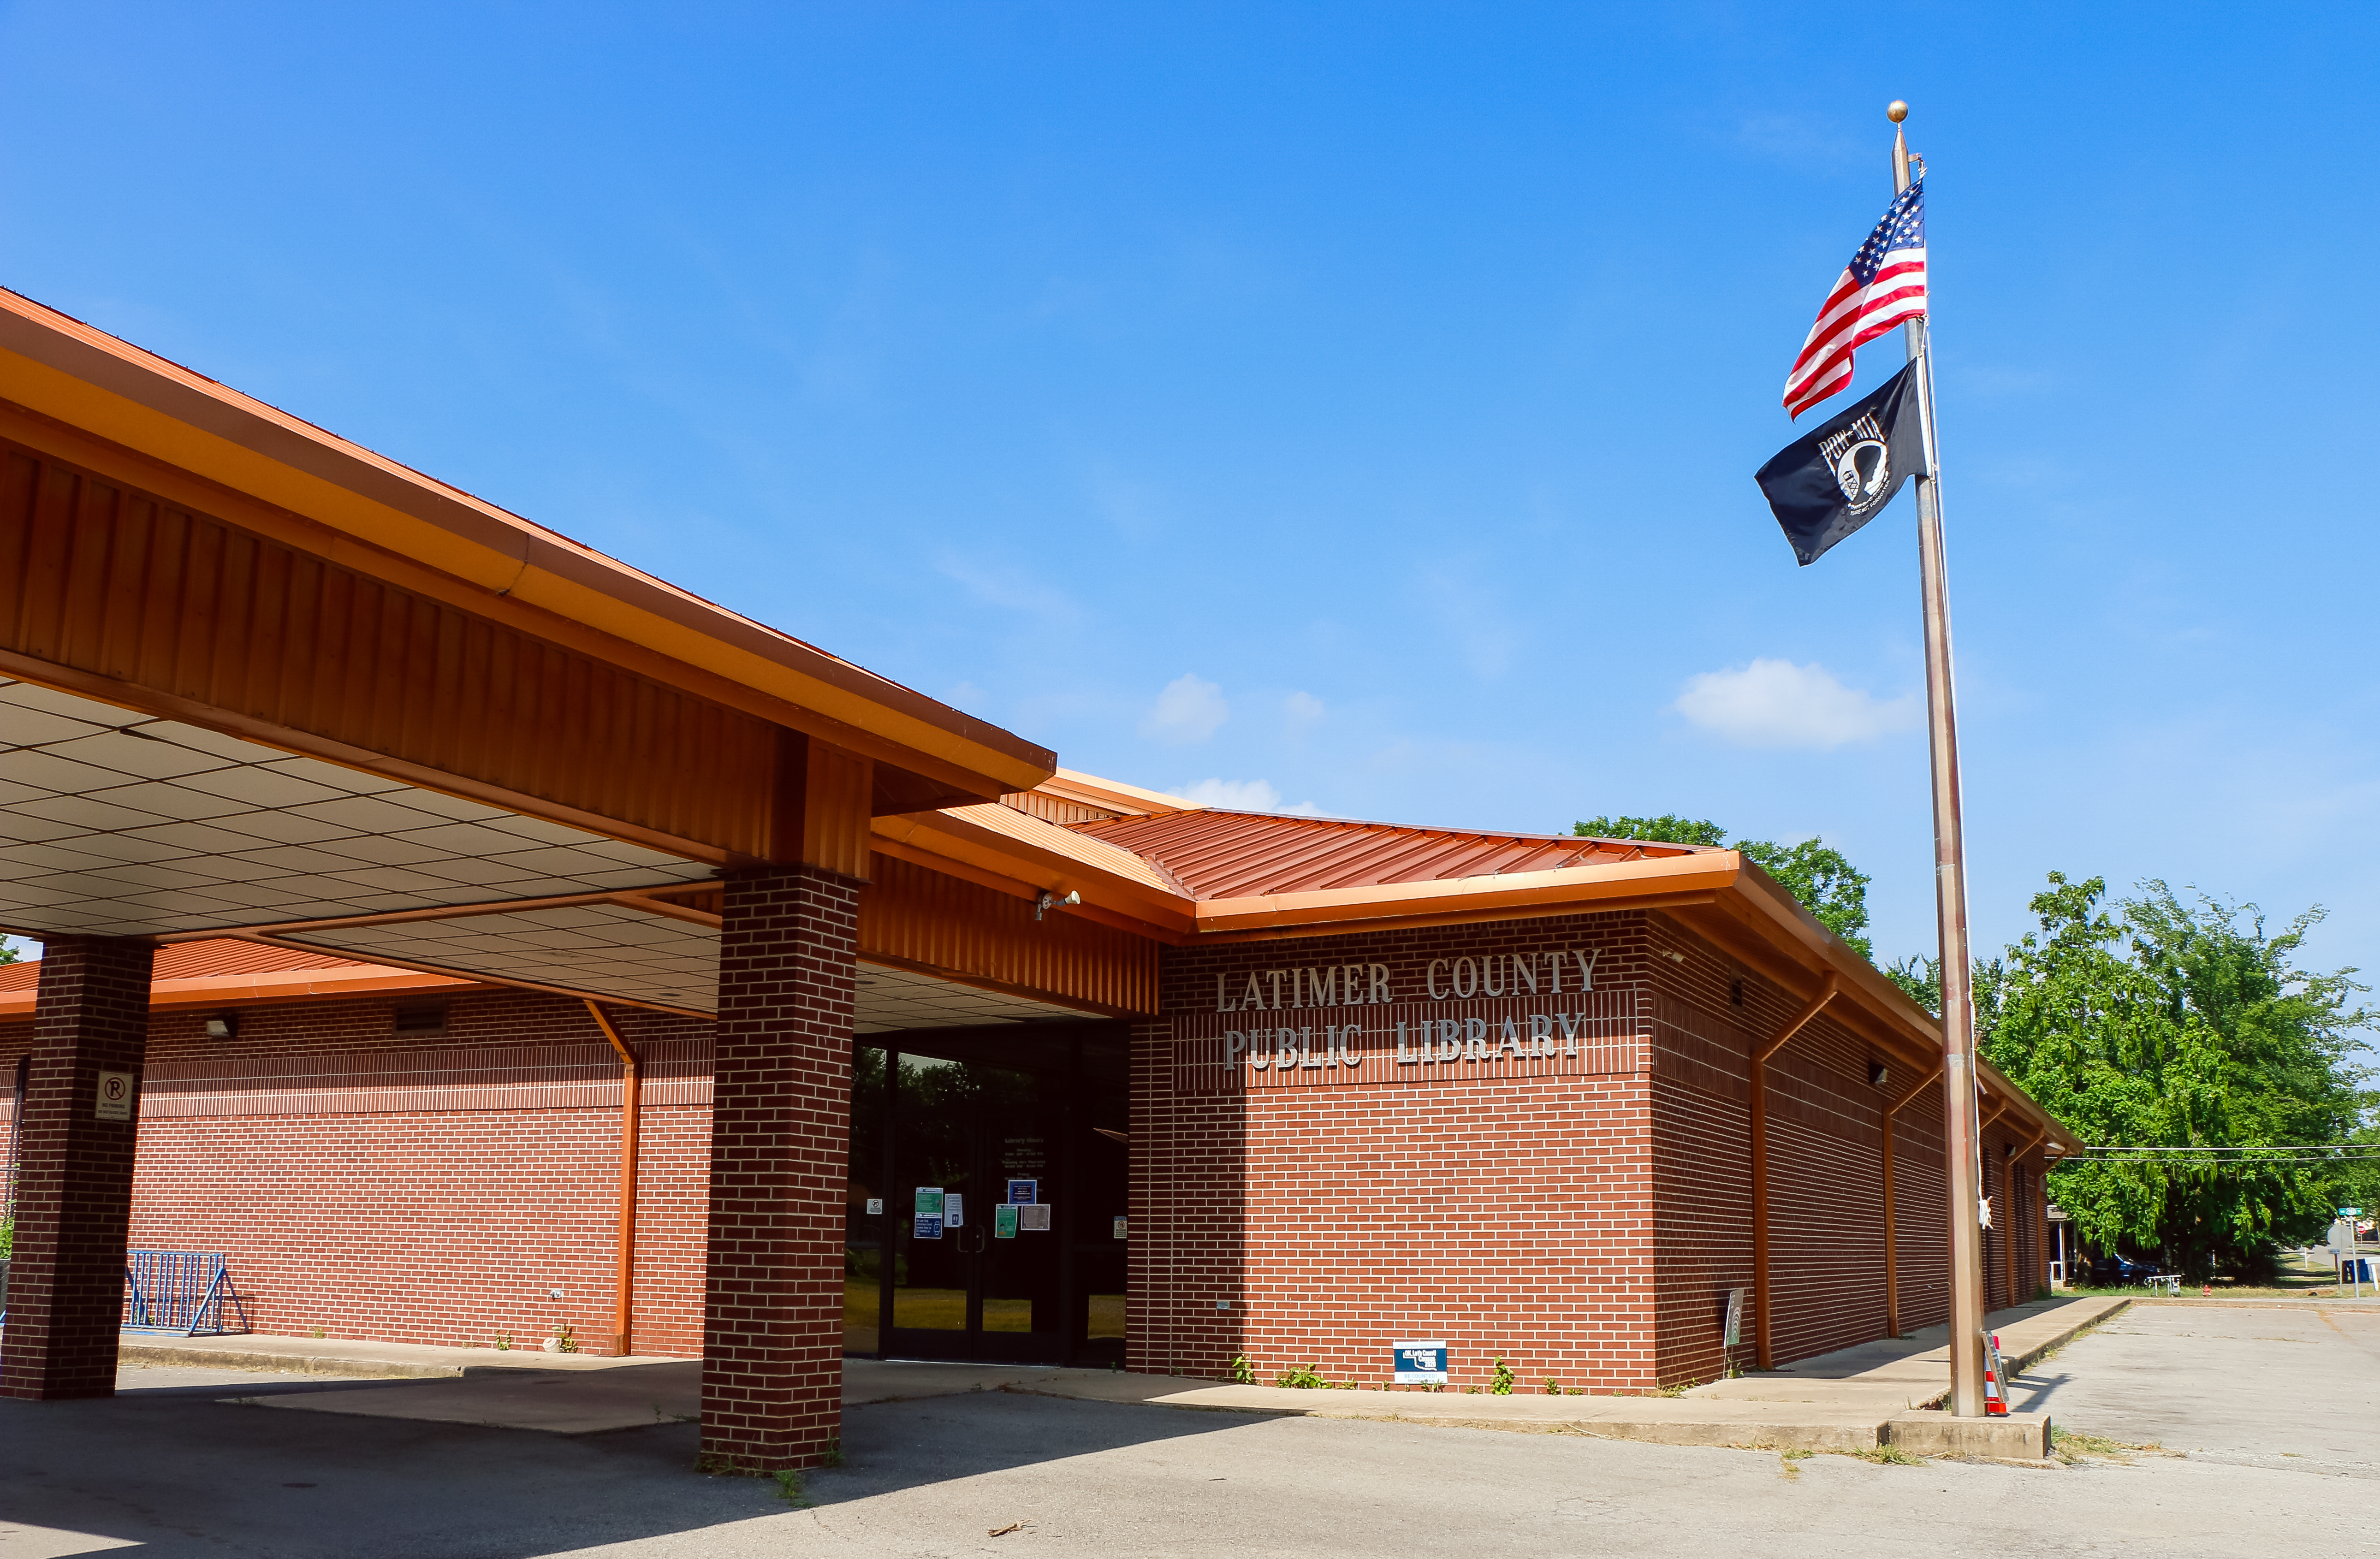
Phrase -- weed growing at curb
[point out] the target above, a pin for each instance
(790, 1490)
(1787, 1461)
(1553, 1386)
(1887, 1455)
(830, 1455)
(1243, 1373)
(2070, 1447)
(1307, 1379)
(1502, 1385)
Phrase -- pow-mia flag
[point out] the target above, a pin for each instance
(1840, 475)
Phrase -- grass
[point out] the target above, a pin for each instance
(1882, 1455)
(2070, 1447)
(2289, 1282)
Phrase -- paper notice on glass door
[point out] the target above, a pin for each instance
(1004, 1222)
(1034, 1218)
(928, 1217)
(954, 1209)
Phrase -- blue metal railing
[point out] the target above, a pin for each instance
(185, 1291)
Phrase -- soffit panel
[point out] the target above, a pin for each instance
(600, 950)
(116, 824)
(628, 955)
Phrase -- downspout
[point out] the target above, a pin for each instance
(1891, 1260)
(632, 1089)
(1763, 1352)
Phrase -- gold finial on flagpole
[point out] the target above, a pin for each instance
(1896, 111)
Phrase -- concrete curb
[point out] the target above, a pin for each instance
(193, 1356)
(2015, 1437)
(395, 1361)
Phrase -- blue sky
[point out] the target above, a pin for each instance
(1353, 405)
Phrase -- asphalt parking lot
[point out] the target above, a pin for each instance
(2272, 1409)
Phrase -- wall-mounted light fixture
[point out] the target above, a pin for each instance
(1876, 1075)
(222, 1025)
(1050, 901)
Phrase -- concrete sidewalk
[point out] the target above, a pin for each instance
(1857, 1399)
(1913, 1372)
(336, 1355)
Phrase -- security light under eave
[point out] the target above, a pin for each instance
(1050, 901)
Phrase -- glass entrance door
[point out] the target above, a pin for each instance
(984, 1249)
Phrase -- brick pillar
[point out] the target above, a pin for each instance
(780, 1140)
(74, 1187)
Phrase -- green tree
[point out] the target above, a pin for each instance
(2154, 1024)
(7, 951)
(1827, 885)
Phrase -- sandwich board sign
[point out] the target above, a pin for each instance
(1420, 1364)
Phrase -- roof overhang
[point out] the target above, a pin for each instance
(380, 518)
(1719, 894)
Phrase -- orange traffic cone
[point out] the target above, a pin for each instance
(1995, 1399)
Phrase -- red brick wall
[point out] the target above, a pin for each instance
(1584, 1223)
(393, 1219)
(1507, 1209)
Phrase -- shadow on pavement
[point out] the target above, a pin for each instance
(180, 1472)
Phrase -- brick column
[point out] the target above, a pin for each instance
(780, 1140)
(74, 1187)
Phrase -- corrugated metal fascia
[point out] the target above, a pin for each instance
(924, 919)
(103, 578)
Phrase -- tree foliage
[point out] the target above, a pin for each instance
(2153, 1022)
(1818, 875)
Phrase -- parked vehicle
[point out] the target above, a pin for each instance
(2119, 1272)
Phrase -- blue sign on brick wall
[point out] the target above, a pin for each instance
(1419, 1363)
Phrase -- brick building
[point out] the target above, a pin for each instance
(1529, 1138)
(529, 942)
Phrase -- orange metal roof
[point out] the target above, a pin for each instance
(224, 972)
(1218, 854)
(198, 960)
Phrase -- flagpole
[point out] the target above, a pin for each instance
(1961, 1144)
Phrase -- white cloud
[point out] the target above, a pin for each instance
(1778, 703)
(1188, 710)
(1302, 710)
(1013, 588)
(1241, 795)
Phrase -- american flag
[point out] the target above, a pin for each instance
(1884, 284)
